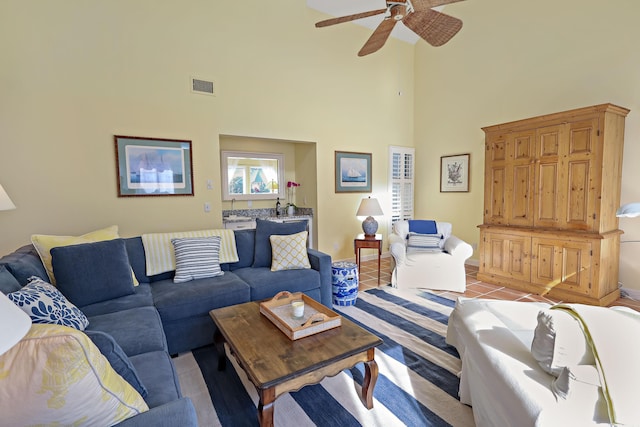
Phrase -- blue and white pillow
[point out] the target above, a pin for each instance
(196, 258)
(425, 241)
(46, 304)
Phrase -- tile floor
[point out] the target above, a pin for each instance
(475, 288)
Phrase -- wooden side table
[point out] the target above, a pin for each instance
(368, 242)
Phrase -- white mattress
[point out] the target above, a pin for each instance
(500, 378)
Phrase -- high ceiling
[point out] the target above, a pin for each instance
(348, 7)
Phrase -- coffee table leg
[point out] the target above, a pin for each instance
(219, 341)
(370, 378)
(266, 402)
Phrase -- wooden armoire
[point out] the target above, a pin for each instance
(551, 191)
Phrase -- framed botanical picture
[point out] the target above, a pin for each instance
(353, 172)
(454, 173)
(153, 167)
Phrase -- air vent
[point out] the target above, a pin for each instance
(202, 86)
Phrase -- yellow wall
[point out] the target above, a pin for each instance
(75, 73)
(514, 60)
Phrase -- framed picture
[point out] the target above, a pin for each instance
(353, 172)
(153, 167)
(454, 173)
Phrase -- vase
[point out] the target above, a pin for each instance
(291, 210)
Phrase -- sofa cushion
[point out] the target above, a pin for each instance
(117, 359)
(45, 304)
(559, 341)
(23, 263)
(265, 283)
(266, 228)
(196, 258)
(8, 283)
(245, 243)
(136, 330)
(198, 297)
(59, 377)
(157, 372)
(93, 272)
(44, 243)
(140, 298)
(289, 252)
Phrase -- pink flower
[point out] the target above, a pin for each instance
(292, 184)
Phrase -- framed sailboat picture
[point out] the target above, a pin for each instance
(353, 172)
(153, 167)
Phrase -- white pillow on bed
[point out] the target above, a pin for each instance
(559, 341)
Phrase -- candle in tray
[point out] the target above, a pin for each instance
(298, 308)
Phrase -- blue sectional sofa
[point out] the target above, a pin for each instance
(161, 318)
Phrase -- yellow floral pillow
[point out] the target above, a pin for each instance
(44, 243)
(289, 252)
(56, 376)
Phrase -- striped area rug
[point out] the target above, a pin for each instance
(417, 383)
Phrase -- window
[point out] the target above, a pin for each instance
(251, 176)
(401, 181)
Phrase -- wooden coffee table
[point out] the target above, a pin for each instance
(276, 365)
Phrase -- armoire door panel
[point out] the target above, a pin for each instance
(579, 194)
(507, 255)
(495, 196)
(548, 197)
(561, 264)
(520, 195)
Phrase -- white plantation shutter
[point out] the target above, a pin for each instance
(401, 181)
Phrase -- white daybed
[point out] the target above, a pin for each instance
(505, 384)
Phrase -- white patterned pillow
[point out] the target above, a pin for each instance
(55, 375)
(46, 304)
(196, 258)
(432, 241)
(289, 252)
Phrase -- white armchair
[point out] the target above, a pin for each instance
(441, 269)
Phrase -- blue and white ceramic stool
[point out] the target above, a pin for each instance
(344, 281)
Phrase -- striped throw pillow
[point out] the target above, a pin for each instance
(417, 240)
(196, 258)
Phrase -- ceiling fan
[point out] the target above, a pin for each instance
(436, 28)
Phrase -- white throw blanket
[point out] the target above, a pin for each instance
(614, 336)
(160, 256)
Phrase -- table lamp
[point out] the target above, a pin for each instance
(369, 207)
(14, 323)
(630, 210)
(5, 202)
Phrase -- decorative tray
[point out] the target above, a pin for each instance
(316, 318)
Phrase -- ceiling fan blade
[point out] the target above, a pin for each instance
(428, 4)
(379, 37)
(434, 27)
(348, 18)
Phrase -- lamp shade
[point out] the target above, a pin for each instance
(5, 202)
(629, 210)
(14, 323)
(369, 207)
